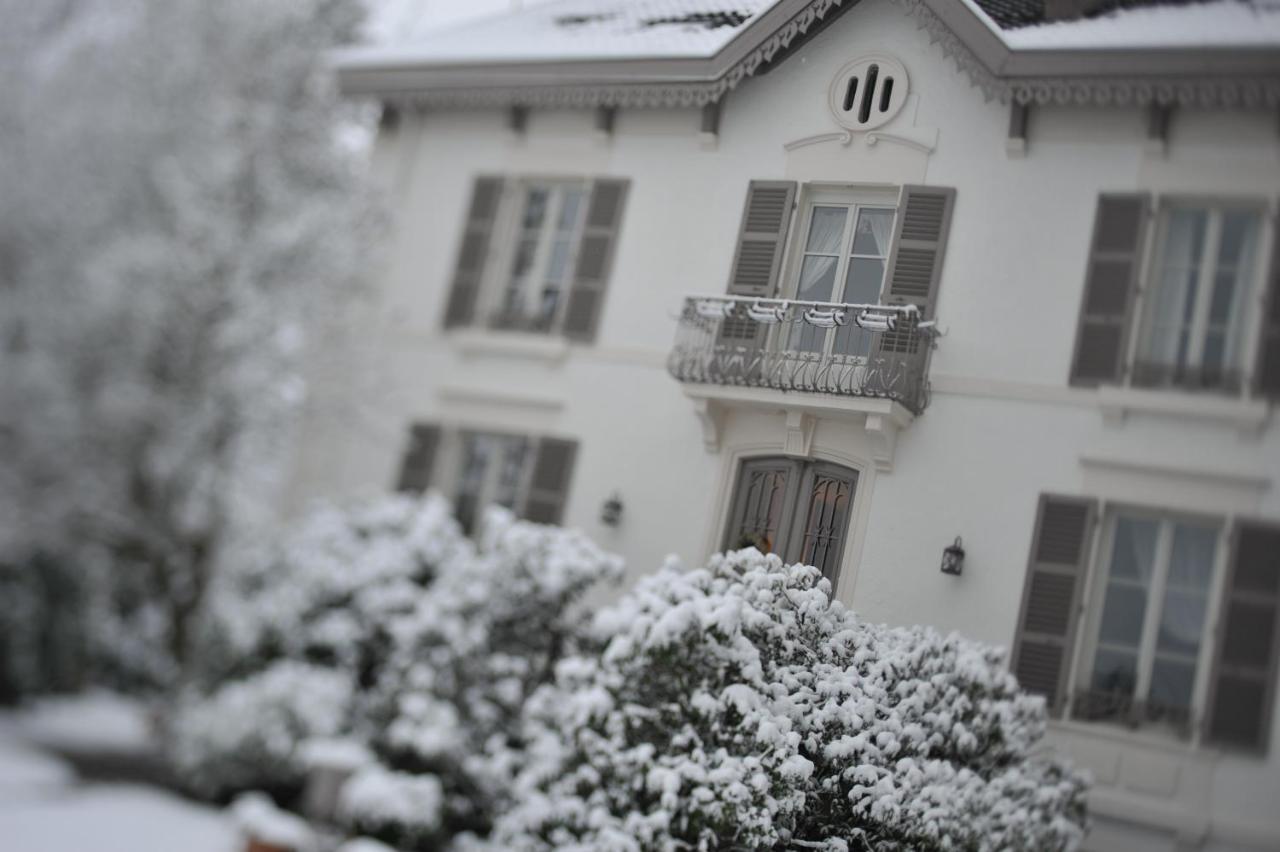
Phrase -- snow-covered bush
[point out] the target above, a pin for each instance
(464, 661)
(246, 735)
(426, 644)
(739, 707)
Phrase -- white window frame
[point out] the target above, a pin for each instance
(1255, 287)
(497, 275)
(856, 198)
(1097, 580)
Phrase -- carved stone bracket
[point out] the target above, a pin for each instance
(711, 416)
(882, 430)
(800, 428)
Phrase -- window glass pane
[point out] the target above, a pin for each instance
(1181, 623)
(1122, 614)
(826, 517)
(862, 284)
(1134, 550)
(817, 277)
(1191, 562)
(569, 208)
(873, 233)
(1172, 303)
(1115, 671)
(514, 453)
(826, 228)
(1239, 236)
(559, 263)
(760, 512)
(535, 209)
(1171, 683)
(1184, 238)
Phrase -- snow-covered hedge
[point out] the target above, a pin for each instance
(739, 707)
(384, 624)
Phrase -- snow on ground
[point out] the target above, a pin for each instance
(113, 818)
(45, 808)
(96, 721)
(25, 772)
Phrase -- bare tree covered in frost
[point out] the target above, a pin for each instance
(177, 211)
(738, 707)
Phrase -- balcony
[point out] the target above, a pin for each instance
(867, 351)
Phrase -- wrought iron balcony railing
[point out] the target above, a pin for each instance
(877, 351)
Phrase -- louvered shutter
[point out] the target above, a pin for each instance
(1115, 260)
(1266, 379)
(549, 484)
(1046, 629)
(595, 257)
(1242, 683)
(915, 260)
(476, 236)
(419, 457)
(762, 238)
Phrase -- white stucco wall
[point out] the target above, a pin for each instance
(1003, 425)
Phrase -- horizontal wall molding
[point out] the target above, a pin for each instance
(458, 394)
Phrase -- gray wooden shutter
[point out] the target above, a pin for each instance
(1266, 375)
(549, 483)
(419, 457)
(762, 237)
(1115, 261)
(476, 236)
(1045, 638)
(595, 257)
(915, 259)
(1242, 683)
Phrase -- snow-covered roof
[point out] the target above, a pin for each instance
(635, 53)
(570, 30)
(1216, 24)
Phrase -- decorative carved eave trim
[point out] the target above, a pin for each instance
(1229, 78)
(661, 83)
(1223, 77)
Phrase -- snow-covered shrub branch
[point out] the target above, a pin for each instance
(739, 707)
(382, 623)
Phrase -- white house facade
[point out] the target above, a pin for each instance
(856, 283)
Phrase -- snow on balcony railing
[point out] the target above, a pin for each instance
(817, 347)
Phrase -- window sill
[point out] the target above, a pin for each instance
(523, 345)
(1247, 415)
(1123, 735)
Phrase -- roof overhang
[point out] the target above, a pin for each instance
(1230, 76)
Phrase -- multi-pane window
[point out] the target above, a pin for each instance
(799, 510)
(547, 229)
(843, 260)
(1199, 284)
(1152, 602)
(493, 472)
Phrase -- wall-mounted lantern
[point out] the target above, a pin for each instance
(953, 558)
(611, 511)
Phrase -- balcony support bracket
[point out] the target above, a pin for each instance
(800, 427)
(711, 416)
(882, 431)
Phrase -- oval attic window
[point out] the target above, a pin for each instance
(868, 92)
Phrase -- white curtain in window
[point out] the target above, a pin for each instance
(1176, 271)
(881, 226)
